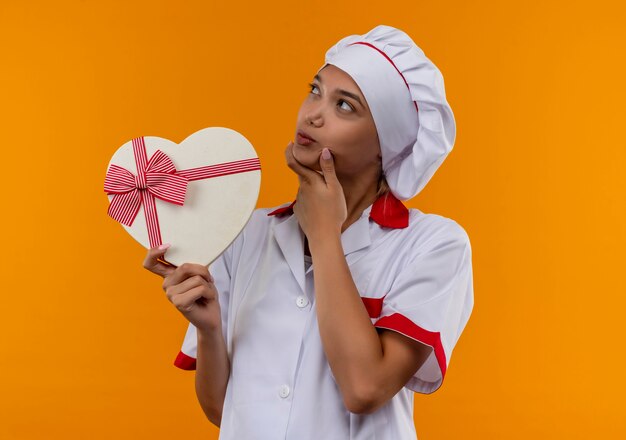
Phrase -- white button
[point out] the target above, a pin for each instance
(284, 391)
(302, 301)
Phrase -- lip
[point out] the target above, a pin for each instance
(304, 135)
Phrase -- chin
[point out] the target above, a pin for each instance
(308, 158)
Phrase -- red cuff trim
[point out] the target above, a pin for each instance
(404, 325)
(374, 306)
(185, 362)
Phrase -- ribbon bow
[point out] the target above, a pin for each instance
(158, 178)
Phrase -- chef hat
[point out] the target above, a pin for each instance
(405, 93)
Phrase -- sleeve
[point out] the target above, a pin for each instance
(221, 270)
(431, 300)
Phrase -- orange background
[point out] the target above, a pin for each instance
(536, 178)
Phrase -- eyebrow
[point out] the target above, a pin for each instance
(343, 92)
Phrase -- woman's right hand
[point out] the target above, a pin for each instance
(190, 288)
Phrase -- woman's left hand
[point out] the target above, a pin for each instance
(320, 205)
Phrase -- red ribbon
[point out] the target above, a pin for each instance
(158, 178)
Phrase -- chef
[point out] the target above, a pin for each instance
(326, 314)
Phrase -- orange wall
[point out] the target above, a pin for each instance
(536, 178)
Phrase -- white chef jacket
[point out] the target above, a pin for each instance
(414, 273)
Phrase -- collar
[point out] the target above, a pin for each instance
(387, 211)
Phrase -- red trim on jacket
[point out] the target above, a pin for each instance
(404, 325)
(387, 211)
(374, 306)
(284, 210)
(185, 362)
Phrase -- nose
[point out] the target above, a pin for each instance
(314, 116)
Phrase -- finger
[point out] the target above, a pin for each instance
(155, 263)
(327, 164)
(184, 277)
(173, 290)
(304, 173)
(184, 271)
(186, 301)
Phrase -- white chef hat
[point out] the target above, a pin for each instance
(405, 93)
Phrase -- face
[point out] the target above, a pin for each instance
(336, 115)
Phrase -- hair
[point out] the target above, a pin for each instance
(383, 186)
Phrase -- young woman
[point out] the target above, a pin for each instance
(325, 314)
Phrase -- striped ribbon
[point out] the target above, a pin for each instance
(158, 178)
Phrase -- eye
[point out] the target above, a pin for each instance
(313, 86)
(348, 105)
(340, 102)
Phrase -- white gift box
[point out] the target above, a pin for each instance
(197, 195)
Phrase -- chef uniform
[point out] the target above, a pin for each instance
(412, 270)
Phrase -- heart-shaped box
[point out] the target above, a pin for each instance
(197, 195)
